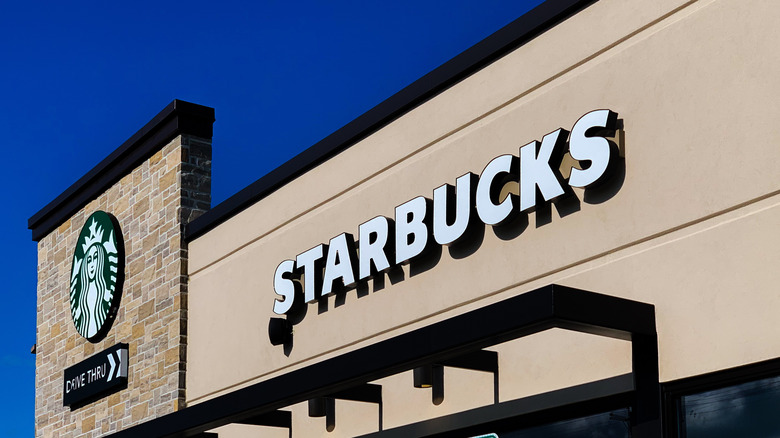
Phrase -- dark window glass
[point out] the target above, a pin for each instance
(615, 424)
(747, 410)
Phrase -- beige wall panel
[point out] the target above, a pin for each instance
(513, 76)
(556, 359)
(715, 287)
(527, 366)
(352, 419)
(697, 92)
(250, 431)
(404, 404)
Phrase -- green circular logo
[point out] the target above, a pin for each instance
(96, 276)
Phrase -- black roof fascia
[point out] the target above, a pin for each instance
(511, 36)
(523, 315)
(179, 117)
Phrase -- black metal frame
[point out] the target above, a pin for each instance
(576, 401)
(432, 375)
(271, 419)
(325, 406)
(544, 308)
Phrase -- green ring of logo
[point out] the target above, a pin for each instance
(96, 276)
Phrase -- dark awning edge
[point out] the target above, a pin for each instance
(179, 117)
(580, 400)
(511, 36)
(547, 307)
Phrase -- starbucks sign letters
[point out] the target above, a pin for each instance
(421, 223)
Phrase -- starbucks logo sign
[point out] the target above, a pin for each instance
(96, 276)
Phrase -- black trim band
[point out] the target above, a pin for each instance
(529, 313)
(511, 36)
(179, 117)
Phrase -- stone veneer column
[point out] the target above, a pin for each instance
(152, 202)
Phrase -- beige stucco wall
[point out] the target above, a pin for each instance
(692, 229)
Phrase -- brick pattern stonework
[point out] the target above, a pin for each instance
(151, 204)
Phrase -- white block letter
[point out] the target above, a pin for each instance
(587, 145)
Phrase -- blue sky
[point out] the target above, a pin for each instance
(78, 78)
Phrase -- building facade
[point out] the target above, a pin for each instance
(567, 230)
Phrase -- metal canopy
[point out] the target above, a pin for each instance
(548, 307)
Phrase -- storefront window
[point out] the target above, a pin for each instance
(615, 424)
(748, 409)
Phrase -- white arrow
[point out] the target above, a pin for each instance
(113, 366)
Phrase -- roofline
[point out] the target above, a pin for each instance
(179, 117)
(511, 36)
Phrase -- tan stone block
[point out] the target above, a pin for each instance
(135, 267)
(43, 420)
(124, 331)
(121, 205)
(138, 177)
(88, 424)
(169, 178)
(141, 205)
(118, 411)
(101, 411)
(172, 160)
(154, 159)
(150, 241)
(59, 256)
(158, 333)
(174, 332)
(172, 270)
(138, 331)
(112, 195)
(157, 383)
(171, 356)
(91, 207)
(113, 399)
(145, 310)
(174, 241)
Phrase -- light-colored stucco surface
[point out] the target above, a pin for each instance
(691, 228)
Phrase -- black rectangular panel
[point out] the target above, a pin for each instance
(96, 377)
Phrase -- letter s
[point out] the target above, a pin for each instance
(285, 287)
(588, 144)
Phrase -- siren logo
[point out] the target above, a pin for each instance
(96, 276)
